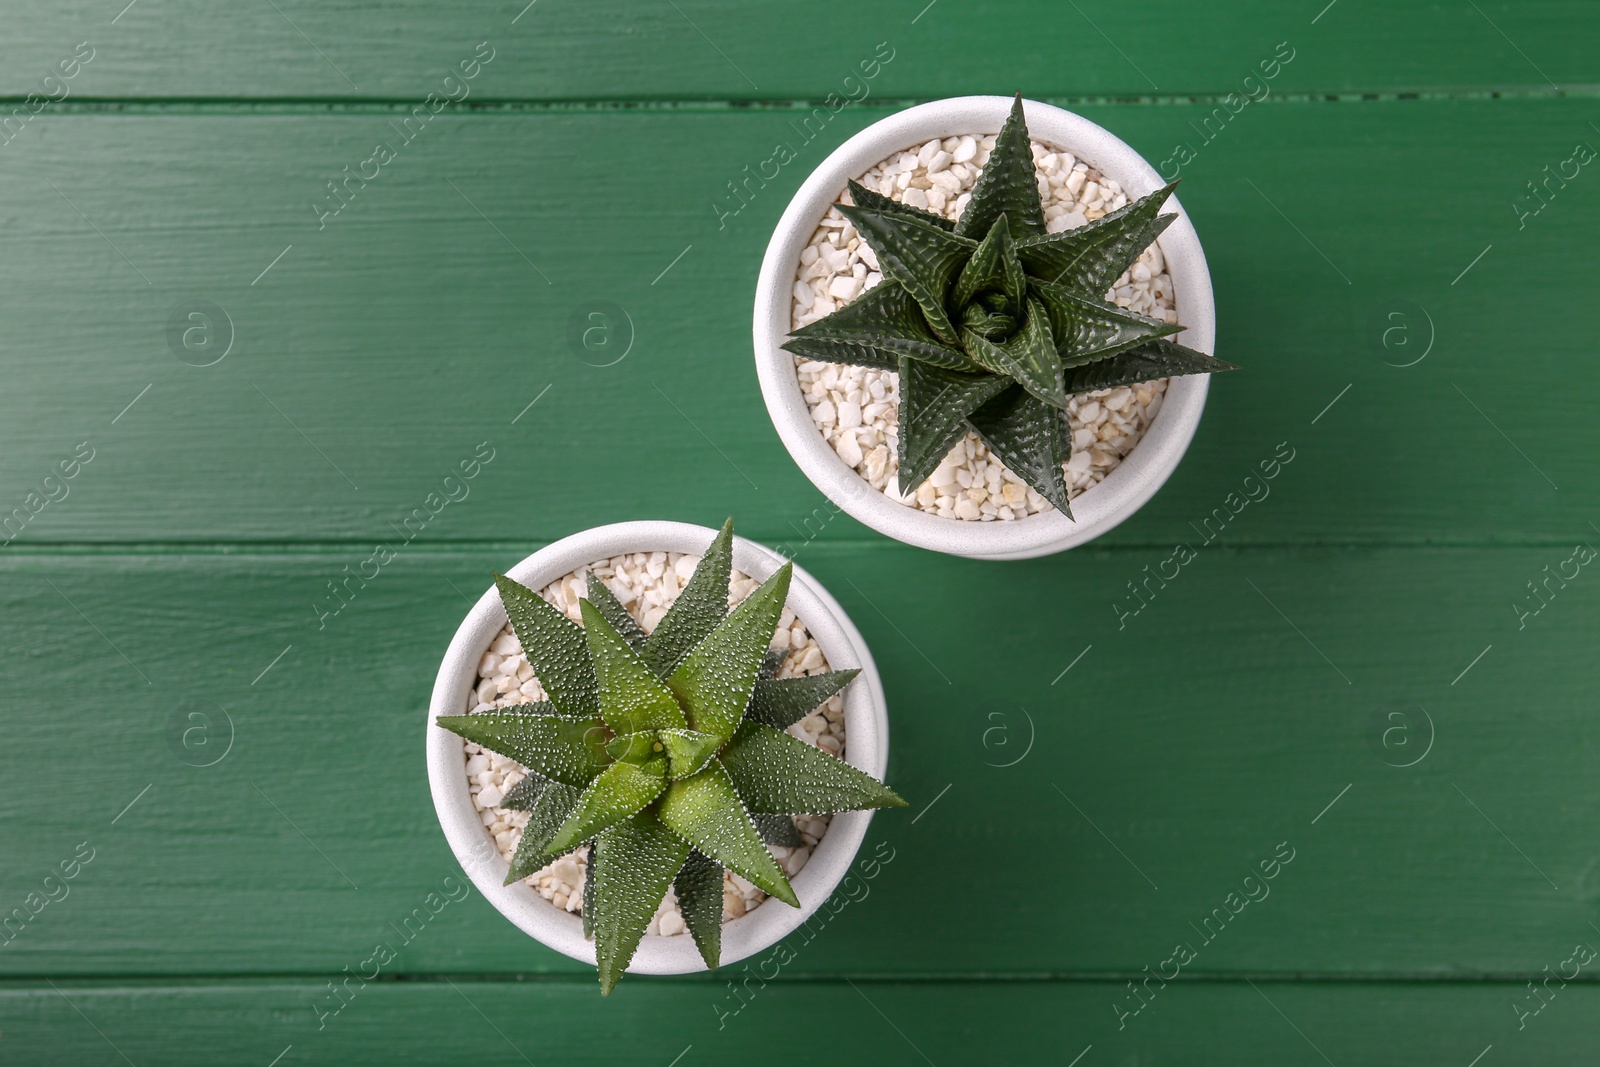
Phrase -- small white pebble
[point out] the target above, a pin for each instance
(844, 287)
(848, 448)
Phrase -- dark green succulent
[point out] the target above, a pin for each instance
(992, 324)
(666, 754)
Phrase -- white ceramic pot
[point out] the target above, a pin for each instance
(1097, 509)
(866, 748)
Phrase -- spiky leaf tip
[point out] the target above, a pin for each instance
(606, 602)
(1090, 258)
(1026, 433)
(706, 812)
(701, 605)
(637, 861)
(919, 257)
(698, 888)
(862, 197)
(777, 773)
(1159, 358)
(715, 680)
(554, 646)
(545, 818)
(1007, 185)
(934, 406)
(782, 702)
(878, 328)
(566, 749)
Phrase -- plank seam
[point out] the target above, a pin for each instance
(545, 105)
(24, 983)
(156, 549)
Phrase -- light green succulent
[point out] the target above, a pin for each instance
(666, 754)
(992, 323)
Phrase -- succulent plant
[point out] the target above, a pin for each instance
(992, 323)
(665, 753)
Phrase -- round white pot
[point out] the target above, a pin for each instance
(866, 747)
(1097, 509)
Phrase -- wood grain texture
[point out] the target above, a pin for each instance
(1271, 1024)
(719, 50)
(1369, 676)
(1149, 775)
(371, 356)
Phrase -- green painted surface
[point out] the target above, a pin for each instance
(724, 50)
(1350, 673)
(815, 1023)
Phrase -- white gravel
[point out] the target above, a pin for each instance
(646, 583)
(856, 409)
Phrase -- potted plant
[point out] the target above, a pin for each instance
(983, 327)
(652, 749)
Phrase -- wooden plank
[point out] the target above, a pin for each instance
(866, 1022)
(714, 49)
(371, 356)
(1260, 706)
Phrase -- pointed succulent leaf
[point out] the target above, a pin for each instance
(637, 748)
(1086, 330)
(688, 751)
(876, 329)
(877, 354)
(601, 596)
(1027, 435)
(705, 811)
(934, 405)
(544, 819)
(620, 792)
(554, 646)
(697, 611)
(777, 829)
(777, 773)
(993, 266)
(631, 697)
(918, 256)
(1090, 258)
(637, 860)
(699, 891)
(782, 702)
(886, 205)
(714, 682)
(1029, 356)
(1007, 185)
(526, 793)
(568, 749)
(1151, 360)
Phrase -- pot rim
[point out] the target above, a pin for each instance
(1097, 509)
(866, 733)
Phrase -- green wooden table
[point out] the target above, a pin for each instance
(1369, 683)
